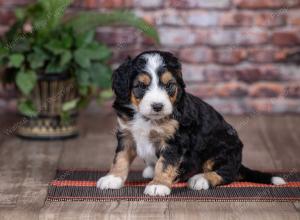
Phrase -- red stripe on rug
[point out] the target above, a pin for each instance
(179, 198)
(176, 185)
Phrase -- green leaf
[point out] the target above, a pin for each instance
(3, 54)
(83, 103)
(65, 58)
(54, 11)
(21, 44)
(83, 90)
(100, 75)
(65, 117)
(70, 105)
(26, 81)
(85, 38)
(20, 13)
(26, 107)
(98, 51)
(56, 47)
(82, 77)
(54, 67)
(86, 21)
(67, 39)
(82, 58)
(16, 60)
(37, 58)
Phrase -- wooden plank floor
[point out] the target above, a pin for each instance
(26, 167)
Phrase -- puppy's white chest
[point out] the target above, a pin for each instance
(140, 129)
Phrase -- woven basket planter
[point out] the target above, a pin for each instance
(48, 96)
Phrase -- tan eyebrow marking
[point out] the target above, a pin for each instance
(166, 77)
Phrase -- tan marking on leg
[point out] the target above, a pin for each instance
(164, 176)
(213, 178)
(124, 158)
(208, 166)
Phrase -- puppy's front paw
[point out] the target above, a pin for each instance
(157, 190)
(110, 182)
(198, 182)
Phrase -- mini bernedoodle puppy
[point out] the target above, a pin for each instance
(179, 136)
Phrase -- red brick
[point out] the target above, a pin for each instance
(236, 19)
(280, 55)
(148, 4)
(261, 55)
(202, 90)
(221, 38)
(196, 55)
(3, 30)
(254, 74)
(94, 4)
(121, 37)
(7, 17)
(251, 37)
(259, 105)
(10, 3)
(193, 73)
(292, 90)
(286, 38)
(232, 89)
(217, 4)
(266, 89)
(169, 17)
(202, 19)
(270, 19)
(289, 72)
(269, 72)
(176, 37)
(258, 4)
(202, 36)
(293, 18)
(219, 74)
(227, 106)
(230, 56)
(274, 105)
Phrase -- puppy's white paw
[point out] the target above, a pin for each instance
(276, 180)
(148, 172)
(157, 190)
(110, 182)
(198, 182)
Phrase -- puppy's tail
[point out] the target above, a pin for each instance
(259, 177)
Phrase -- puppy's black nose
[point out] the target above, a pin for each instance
(157, 107)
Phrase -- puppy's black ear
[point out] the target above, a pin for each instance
(175, 66)
(121, 81)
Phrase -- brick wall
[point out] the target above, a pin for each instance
(232, 50)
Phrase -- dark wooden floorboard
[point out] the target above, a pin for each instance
(26, 167)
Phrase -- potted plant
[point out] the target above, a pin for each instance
(57, 65)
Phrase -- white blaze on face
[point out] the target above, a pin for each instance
(155, 93)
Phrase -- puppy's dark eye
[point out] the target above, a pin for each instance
(142, 86)
(170, 85)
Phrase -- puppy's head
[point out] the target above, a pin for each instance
(151, 84)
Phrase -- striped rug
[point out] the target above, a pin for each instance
(80, 185)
